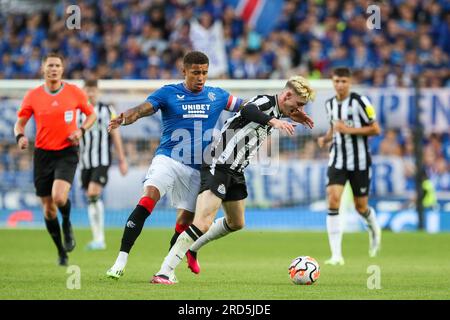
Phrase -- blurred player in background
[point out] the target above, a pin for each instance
(95, 160)
(54, 106)
(222, 179)
(188, 110)
(352, 119)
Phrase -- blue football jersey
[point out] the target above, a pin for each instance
(186, 117)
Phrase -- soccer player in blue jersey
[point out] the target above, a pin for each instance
(188, 110)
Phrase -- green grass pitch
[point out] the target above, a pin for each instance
(247, 265)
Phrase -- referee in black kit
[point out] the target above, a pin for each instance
(352, 119)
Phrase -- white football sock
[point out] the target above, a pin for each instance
(176, 254)
(121, 260)
(334, 235)
(218, 230)
(96, 212)
(101, 221)
(371, 218)
(93, 219)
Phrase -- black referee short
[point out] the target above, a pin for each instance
(227, 186)
(50, 165)
(98, 175)
(359, 180)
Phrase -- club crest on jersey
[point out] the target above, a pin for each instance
(68, 116)
(212, 96)
(180, 97)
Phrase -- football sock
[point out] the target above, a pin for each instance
(334, 233)
(136, 222)
(101, 221)
(179, 228)
(55, 232)
(366, 214)
(93, 216)
(370, 217)
(121, 260)
(218, 230)
(176, 254)
(96, 218)
(65, 212)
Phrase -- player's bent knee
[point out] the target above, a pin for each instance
(333, 203)
(59, 199)
(152, 192)
(50, 212)
(333, 199)
(50, 215)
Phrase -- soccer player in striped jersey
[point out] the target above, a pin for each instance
(53, 106)
(352, 120)
(222, 178)
(95, 160)
(189, 111)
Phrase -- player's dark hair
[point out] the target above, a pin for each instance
(195, 57)
(91, 83)
(53, 55)
(342, 72)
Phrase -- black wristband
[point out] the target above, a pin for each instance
(83, 131)
(20, 135)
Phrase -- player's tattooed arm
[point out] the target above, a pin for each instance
(143, 110)
(131, 115)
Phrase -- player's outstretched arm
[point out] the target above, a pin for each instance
(131, 115)
(302, 117)
(285, 126)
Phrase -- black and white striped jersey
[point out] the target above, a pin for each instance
(350, 152)
(95, 146)
(240, 137)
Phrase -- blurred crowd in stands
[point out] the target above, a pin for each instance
(125, 39)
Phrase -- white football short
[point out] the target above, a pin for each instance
(179, 181)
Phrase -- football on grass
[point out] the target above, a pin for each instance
(304, 270)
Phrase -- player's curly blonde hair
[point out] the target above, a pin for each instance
(301, 87)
